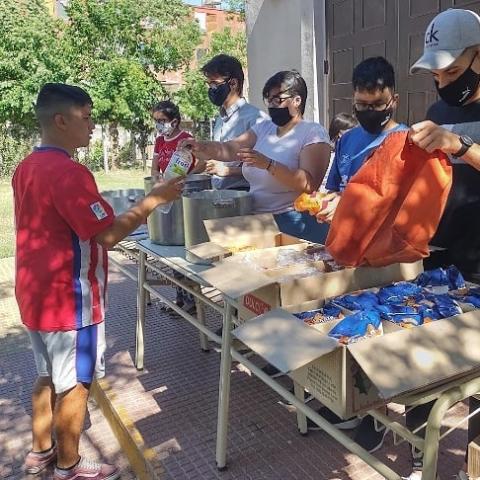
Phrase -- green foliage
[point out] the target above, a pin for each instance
(123, 92)
(226, 41)
(159, 35)
(127, 156)
(192, 97)
(237, 6)
(92, 157)
(30, 55)
(13, 149)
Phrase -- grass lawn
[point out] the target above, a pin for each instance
(110, 181)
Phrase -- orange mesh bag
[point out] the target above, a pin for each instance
(392, 206)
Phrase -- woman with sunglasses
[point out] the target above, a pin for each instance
(281, 157)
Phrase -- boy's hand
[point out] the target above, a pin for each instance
(325, 215)
(429, 136)
(197, 148)
(167, 191)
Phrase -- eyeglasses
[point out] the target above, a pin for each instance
(214, 84)
(377, 107)
(276, 100)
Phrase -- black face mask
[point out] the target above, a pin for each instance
(461, 89)
(280, 115)
(372, 121)
(219, 94)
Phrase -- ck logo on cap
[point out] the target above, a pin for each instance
(431, 35)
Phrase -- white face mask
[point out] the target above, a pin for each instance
(164, 128)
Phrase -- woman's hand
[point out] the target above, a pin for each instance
(325, 215)
(252, 158)
(214, 167)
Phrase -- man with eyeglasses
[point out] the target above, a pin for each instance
(452, 55)
(224, 77)
(374, 103)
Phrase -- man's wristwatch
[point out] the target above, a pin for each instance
(466, 142)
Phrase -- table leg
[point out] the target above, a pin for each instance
(301, 417)
(148, 298)
(141, 298)
(201, 319)
(224, 389)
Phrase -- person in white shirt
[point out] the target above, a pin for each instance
(282, 157)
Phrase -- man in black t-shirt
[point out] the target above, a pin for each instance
(452, 55)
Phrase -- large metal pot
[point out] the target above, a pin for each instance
(168, 228)
(210, 204)
(121, 200)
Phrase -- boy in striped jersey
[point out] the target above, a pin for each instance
(63, 231)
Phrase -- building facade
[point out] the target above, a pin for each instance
(325, 39)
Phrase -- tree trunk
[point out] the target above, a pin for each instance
(115, 147)
(105, 149)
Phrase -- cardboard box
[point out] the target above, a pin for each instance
(232, 235)
(258, 292)
(358, 377)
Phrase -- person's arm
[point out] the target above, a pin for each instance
(430, 137)
(313, 164)
(222, 151)
(154, 170)
(129, 221)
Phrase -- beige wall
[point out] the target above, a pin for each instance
(282, 36)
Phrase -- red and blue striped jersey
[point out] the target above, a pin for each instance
(61, 272)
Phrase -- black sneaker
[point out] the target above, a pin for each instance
(367, 435)
(335, 420)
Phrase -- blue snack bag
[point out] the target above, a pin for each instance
(357, 326)
(398, 292)
(403, 315)
(440, 280)
(355, 302)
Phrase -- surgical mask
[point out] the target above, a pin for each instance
(219, 94)
(373, 121)
(460, 90)
(280, 115)
(164, 128)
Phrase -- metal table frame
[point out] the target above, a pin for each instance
(161, 260)
(445, 397)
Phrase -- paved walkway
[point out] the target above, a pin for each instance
(17, 373)
(172, 406)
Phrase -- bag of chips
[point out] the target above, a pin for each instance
(357, 326)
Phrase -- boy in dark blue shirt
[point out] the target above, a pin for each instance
(374, 103)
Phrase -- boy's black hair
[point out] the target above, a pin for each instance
(169, 109)
(226, 66)
(58, 98)
(374, 73)
(341, 121)
(288, 81)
